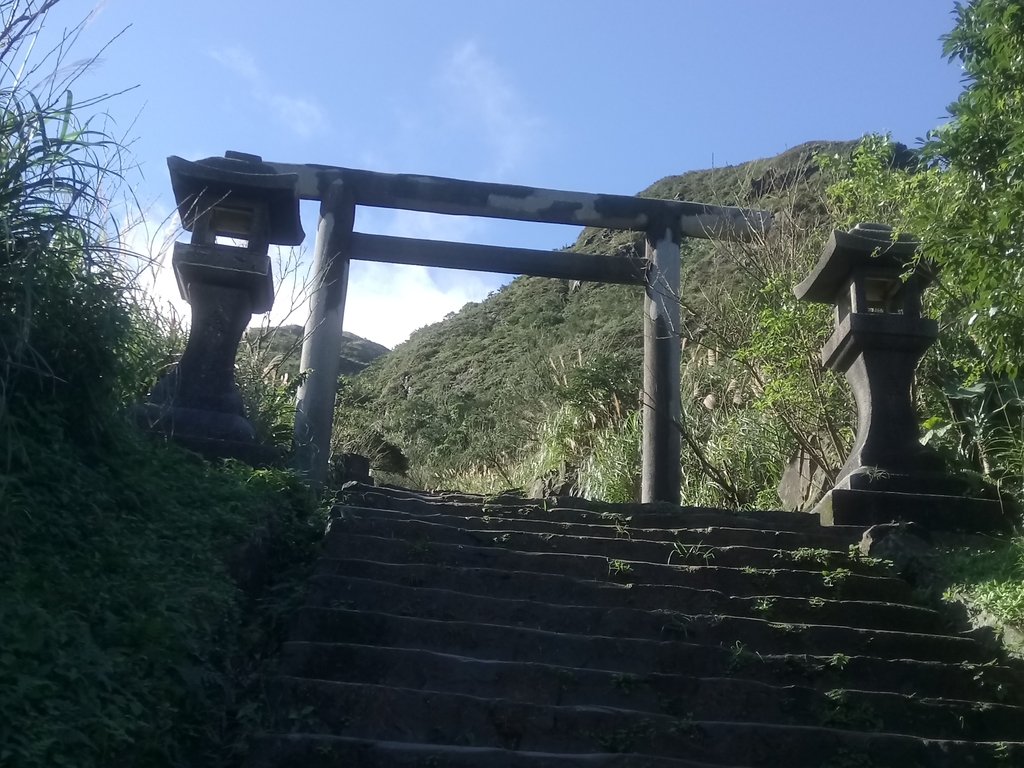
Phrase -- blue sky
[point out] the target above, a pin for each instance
(588, 95)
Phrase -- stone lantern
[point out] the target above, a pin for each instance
(879, 338)
(235, 207)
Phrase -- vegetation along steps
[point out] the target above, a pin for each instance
(456, 630)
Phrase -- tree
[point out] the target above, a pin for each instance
(972, 221)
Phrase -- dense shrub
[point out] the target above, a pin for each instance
(126, 635)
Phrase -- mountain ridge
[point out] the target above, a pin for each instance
(285, 342)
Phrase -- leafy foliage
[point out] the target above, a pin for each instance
(978, 236)
(590, 435)
(469, 392)
(759, 393)
(126, 636)
(991, 575)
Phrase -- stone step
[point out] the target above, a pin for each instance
(327, 591)
(406, 715)
(729, 571)
(573, 510)
(640, 656)
(826, 538)
(658, 552)
(302, 750)
(393, 493)
(679, 696)
(757, 634)
(699, 546)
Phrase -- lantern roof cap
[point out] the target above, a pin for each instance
(204, 183)
(865, 245)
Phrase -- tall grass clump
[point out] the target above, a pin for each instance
(590, 436)
(70, 333)
(140, 584)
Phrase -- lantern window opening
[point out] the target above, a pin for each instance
(242, 224)
(236, 221)
(234, 242)
(883, 294)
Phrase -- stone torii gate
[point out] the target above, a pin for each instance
(243, 197)
(664, 222)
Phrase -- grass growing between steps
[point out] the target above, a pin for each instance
(141, 587)
(990, 577)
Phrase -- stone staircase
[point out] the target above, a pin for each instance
(455, 630)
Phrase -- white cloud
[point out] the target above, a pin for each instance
(94, 14)
(483, 94)
(239, 62)
(471, 121)
(150, 236)
(304, 117)
(386, 303)
(427, 226)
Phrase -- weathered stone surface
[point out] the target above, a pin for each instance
(656, 626)
(368, 711)
(197, 404)
(349, 467)
(916, 556)
(199, 397)
(739, 533)
(852, 507)
(720, 698)
(320, 751)
(906, 545)
(560, 482)
(803, 483)
(237, 176)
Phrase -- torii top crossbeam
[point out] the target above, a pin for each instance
(437, 194)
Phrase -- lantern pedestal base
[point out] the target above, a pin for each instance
(928, 477)
(212, 434)
(197, 403)
(935, 511)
